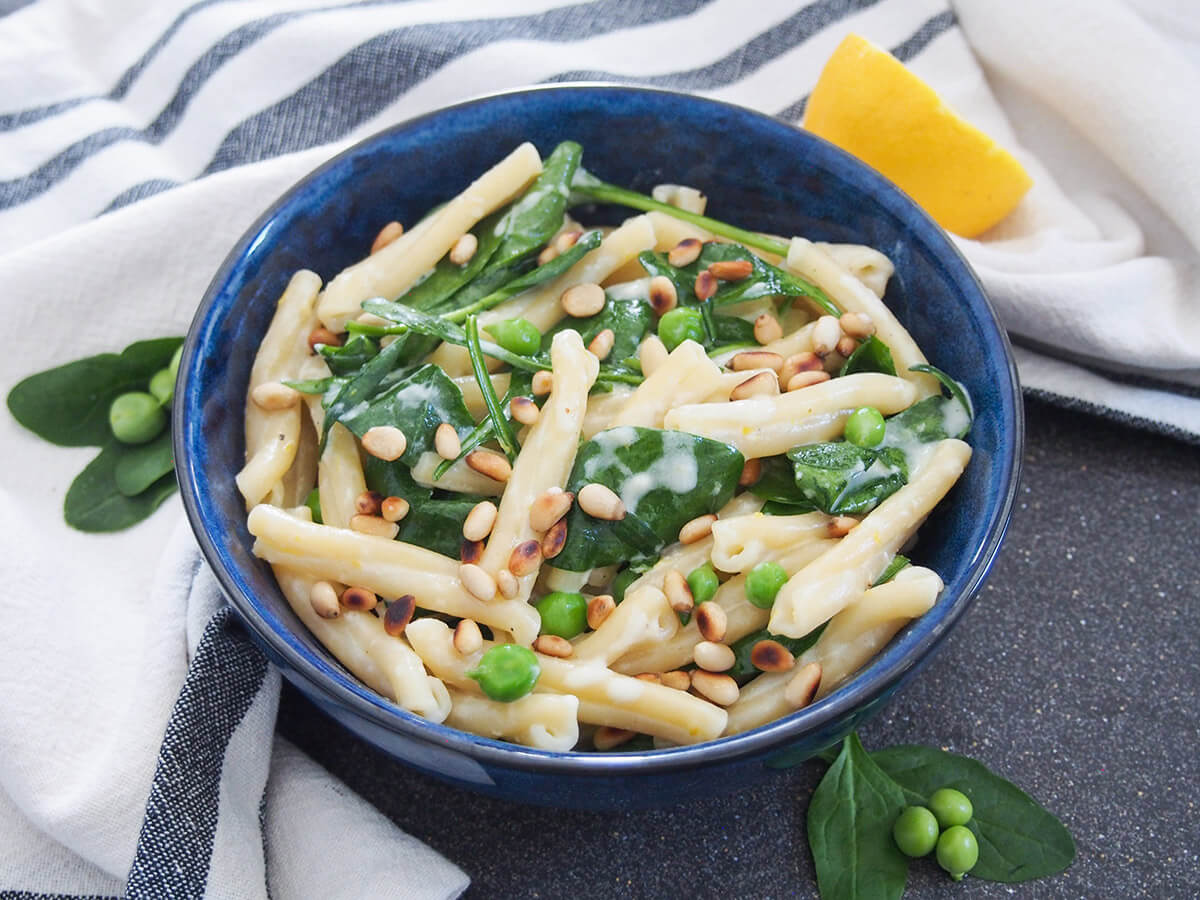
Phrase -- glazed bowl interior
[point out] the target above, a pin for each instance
(758, 173)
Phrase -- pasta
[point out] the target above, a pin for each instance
(520, 476)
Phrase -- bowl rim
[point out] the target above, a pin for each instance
(870, 685)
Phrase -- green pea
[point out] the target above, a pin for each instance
(507, 672)
(951, 807)
(704, 583)
(957, 851)
(915, 831)
(680, 324)
(865, 427)
(563, 613)
(136, 418)
(624, 579)
(162, 386)
(313, 502)
(763, 583)
(517, 336)
(173, 367)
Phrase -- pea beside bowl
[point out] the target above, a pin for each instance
(758, 173)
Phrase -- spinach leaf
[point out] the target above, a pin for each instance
(843, 479)
(779, 508)
(139, 467)
(68, 405)
(732, 330)
(314, 385)
(628, 316)
(925, 421)
(743, 670)
(520, 384)
(94, 503)
(534, 218)
(777, 482)
(448, 278)
(393, 479)
(872, 355)
(1018, 839)
(437, 524)
(497, 414)
(350, 356)
(850, 821)
(665, 479)
(362, 387)
(898, 562)
(954, 391)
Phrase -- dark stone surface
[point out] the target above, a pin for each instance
(1076, 675)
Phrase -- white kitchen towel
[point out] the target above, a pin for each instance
(139, 138)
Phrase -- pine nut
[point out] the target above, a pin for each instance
(800, 362)
(470, 551)
(598, 609)
(601, 345)
(387, 234)
(477, 582)
(705, 286)
(506, 581)
(756, 359)
(599, 502)
(479, 521)
(553, 645)
(679, 595)
(464, 248)
(720, 689)
(663, 296)
(711, 620)
(825, 335)
(548, 253)
(751, 472)
(368, 503)
(697, 529)
(582, 300)
(323, 335)
(678, 679)
(771, 656)
(490, 464)
(652, 677)
(273, 396)
(713, 657)
(385, 442)
(359, 599)
(566, 241)
(767, 329)
(846, 346)
(446, 441)
(548, 507)
(607, 737)
(807, 379)
(525, 558)
(324, 600)
(376, 526)
(555, 539)
(543, 383)
(731, 269)
(802, 687)
(524, 410)
(764, 384)
(393, 509)
(399, 613)
(468, 638)
(857, 325)
(684, 253)
(840, 526)
(652, 353)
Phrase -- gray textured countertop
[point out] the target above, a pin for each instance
(1076, 674)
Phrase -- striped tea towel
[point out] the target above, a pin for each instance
(139, 138)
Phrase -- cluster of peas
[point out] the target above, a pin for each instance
(942, 825)
(139, 416)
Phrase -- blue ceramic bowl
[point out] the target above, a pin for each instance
(758, 173)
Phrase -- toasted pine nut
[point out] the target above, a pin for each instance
(705, 286)
(548, 507)
(800, 362)
(581, 300)
(598, 609)
(470, 551)
(607, 737)
(506, 581)
(554, 540)
(399, 613)
(446, 441)
(771, 656)
(324, 600)
(543, 383)
(720, 689)
(548, 253)
(566, 241)
(751, 472)
(840, 526)
(477, 582)
(847, 345)
(825, 335)
(385, 442)
(652, 353)
(525, 558)
(697, 529)
(807, 379)
(368, 503)
(479, 521)
(524, 410)
(491, 464)
(678, 679)
(601, 345)
(731, 269)
(756, 359)
(599, 502)
(679, 595)
(663, 296)
(553, 645)
(652, 677)
(273, 396)
(767, 329)
(713, 657)
(387, 234)
(764, 384)
(802, 687)
(711, 620)
(857, 325)
(464, 248)
(394, 508)
(377, 526)
(684, 253)
(359, 599)
(323, 335)
(468, 638)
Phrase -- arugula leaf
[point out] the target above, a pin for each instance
(68, 405)
(94, 503)
(140, 466)
(743, 670)
(350, 356)
(872, 355)
(844, 479)
(850, 820)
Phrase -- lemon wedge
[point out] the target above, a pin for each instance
(869, 104)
